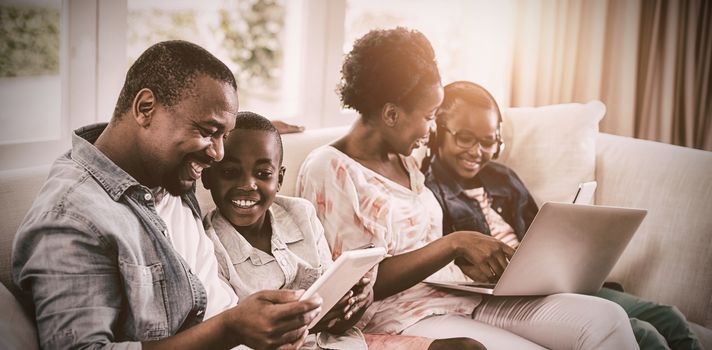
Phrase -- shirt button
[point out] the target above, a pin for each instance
(147, 196)
(499, 210)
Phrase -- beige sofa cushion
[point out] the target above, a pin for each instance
(17, 331)
(552, 148)
(670, 257)
(18, 189)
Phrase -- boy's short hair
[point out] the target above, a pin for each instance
(252, 121)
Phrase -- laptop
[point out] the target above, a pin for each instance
(569, 248)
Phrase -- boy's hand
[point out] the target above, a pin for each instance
(335, 314)
(362, 299)
(272, 319)
(348, 311)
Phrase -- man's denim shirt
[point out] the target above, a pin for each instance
(510, 198)
(92, 258)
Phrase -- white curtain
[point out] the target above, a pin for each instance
(565, 51)
(648, 61)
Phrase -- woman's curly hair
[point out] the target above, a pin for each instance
(384, 66)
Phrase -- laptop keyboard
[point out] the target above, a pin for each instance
(478, 284)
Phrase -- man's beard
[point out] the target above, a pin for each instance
(174, 185)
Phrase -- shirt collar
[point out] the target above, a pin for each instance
(237, 247)
(110, 176)
(284, 231)
(487, 177)
(283, 225)
(445, 179)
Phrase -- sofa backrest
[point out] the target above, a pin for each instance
(673, 245)
(669, 259)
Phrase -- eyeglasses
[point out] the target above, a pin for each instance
(466, 140)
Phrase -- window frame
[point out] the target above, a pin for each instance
(93, 67)
(89, 77)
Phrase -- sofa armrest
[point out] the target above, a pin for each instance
(668, 259)
(18, 189)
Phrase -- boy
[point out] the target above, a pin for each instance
(277, 242)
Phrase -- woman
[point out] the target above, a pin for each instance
(367, 189)
(479, 195)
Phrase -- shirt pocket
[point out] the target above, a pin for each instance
(147, 300)
(306, 276)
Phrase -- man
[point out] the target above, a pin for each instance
(113, 252)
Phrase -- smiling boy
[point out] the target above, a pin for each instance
(273, 241)
(278, 242)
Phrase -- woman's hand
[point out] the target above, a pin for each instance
(481, 257)
(286, 128)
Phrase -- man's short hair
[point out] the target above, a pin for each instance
(169, 68)
(252, 121)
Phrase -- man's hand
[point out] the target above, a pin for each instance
(272, 319)
(284, 128)
(481, 257)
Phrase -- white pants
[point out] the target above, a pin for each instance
(559, 321)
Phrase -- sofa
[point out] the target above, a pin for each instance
(552, 148)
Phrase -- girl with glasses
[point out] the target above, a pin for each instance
(488, 197)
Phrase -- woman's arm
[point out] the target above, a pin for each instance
(487, 257)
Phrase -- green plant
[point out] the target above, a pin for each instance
(29, 41)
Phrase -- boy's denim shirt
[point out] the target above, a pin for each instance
(510, 198)
(92, 259)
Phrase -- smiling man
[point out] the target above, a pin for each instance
(113, 249)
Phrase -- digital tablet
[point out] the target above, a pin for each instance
(341, 276)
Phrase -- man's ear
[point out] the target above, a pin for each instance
(143, 106)
(389, 114)
(280, 177)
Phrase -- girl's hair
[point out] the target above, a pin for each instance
(387, 66)
(457, 93)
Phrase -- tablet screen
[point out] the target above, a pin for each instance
(341, 276)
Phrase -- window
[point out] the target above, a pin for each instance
(248, 35)
(29, 67)
(472, 39)
(32, 45)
